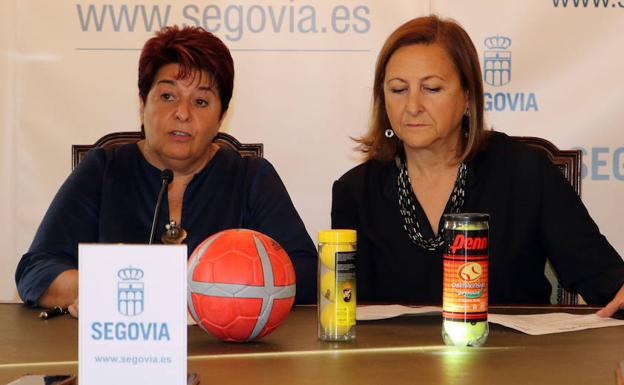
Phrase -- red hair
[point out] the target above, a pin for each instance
(193, 48)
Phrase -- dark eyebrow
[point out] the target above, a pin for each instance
(166, 81)
(207, 89)
(200, 88)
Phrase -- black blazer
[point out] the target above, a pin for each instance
(534, 214)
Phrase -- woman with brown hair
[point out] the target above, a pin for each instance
(427, 153)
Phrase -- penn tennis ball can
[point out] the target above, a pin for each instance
(336, 285)
(465, 280)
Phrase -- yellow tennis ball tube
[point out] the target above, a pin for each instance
(336, 285)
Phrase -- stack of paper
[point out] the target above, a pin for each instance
(534, 324)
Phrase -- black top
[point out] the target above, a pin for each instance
(110, 198)
(534, 214)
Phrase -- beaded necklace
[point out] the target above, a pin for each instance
(407, 206)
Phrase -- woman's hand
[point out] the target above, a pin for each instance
(616, 304)
(63, 292)
(73, 309)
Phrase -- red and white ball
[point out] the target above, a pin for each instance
(241, 285)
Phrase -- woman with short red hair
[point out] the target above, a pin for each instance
(186, 77)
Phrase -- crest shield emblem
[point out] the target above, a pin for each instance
(497, 61)
(130, 291)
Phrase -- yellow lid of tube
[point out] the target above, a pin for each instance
(337, 236)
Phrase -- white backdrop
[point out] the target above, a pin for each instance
(304, 73)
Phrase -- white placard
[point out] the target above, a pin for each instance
(132, 322)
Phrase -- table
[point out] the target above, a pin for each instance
(405, 350)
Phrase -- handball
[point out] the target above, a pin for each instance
(241, 285)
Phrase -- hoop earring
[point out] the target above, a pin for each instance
(389, 133)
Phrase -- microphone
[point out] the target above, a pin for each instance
(166, 176)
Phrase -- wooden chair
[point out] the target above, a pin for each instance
(118, 138)
(569, 162)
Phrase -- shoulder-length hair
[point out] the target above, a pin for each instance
(450, 35)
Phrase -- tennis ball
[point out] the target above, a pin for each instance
(328, 253)
(473, 226)
(328, 285)
(477, 330)
(468, 226)
(329, 320)
(466, 333)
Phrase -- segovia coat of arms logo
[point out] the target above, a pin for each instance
(130, 291)
(497, 61)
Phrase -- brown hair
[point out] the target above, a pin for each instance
(457, 43)
(193, 48)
